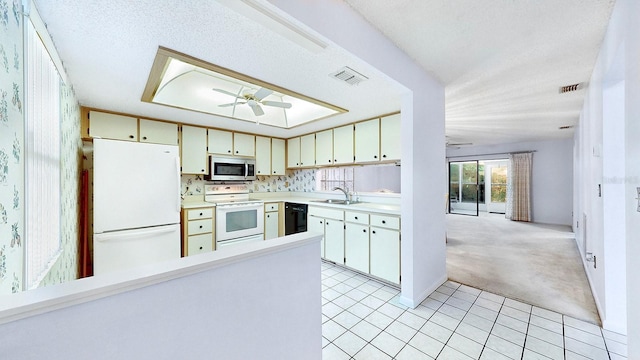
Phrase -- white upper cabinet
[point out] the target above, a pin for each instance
(324, 147)
(343, 145)
(244, 144)
(277, 157)
(308, 150)
(293, 152)
(263, 155)
(158, 132)
(112, 126)
(367, 141)
(390, 137)
(220, 142)
(194, 150)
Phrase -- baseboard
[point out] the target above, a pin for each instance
(425, 294)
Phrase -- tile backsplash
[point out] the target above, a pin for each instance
(294, 180)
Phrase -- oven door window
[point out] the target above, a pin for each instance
(241, 220)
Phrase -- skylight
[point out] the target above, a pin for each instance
(180, 81)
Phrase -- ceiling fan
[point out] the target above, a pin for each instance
(254, 100)
(454, 144)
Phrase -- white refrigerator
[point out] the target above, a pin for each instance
(136, 204)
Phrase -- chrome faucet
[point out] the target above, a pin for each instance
(346, 194)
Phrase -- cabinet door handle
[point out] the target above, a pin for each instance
(364, 230)
(384, 156)
(373, 231)
(200, 226)
(384, 222)
(375, 156)
(144, 138)
(202, 170)
(267, 215)
(335, 160)
(200, 214)
(274, 171)
(131, 136)
(236, 151)
(200, 247)
(356, 218)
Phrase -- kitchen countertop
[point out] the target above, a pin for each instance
(315, 200)
(391, 209)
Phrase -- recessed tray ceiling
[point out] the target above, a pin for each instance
(181, 81)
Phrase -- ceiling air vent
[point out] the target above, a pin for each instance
(349, 76)
(566, 127)
(570, 88)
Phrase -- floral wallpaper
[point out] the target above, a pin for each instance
(11, 148)
(12, 161)
(66, 268)
(293, 180)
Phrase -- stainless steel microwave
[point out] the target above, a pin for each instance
(231, 169)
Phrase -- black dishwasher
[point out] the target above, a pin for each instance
(295, 218)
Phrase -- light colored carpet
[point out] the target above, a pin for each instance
(534, 263)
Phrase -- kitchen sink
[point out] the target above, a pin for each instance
(338, 202)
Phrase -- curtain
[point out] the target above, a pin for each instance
(518, 207)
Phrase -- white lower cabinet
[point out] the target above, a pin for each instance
(366, 242)
(199, 244)
(385, 254)
(271, 225)
(330, 223)
(334, 240)
(197, 230)
(356, 246)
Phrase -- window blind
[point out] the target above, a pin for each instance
(42, 164)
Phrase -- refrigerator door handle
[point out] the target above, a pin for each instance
(179, 199)
(128, 234)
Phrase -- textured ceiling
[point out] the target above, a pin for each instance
(108, 47)
(501, 61)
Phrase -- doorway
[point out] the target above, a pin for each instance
(478, 186)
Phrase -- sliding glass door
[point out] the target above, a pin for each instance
(466, 187)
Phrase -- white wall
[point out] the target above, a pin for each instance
(261, 305)
(423, 171)
(607, 152)
(551, 178)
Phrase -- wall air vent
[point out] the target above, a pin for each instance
(566, 127)
(570, 88)
(349, 76)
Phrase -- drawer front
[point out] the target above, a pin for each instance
(204, 213)
(200, 226)
(385, 221)
(326, 212)
(199, 244)
(356, 217)
(268, 207)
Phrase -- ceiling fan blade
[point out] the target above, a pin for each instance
(227, 93)
(277, 104)
(257, 110)
(231, 104)
(262, 93)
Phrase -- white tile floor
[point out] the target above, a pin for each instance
(362, 319)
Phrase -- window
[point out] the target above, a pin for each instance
(328, 178)
(42, 163)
